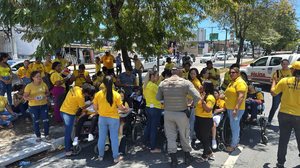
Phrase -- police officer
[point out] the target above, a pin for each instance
(173, 92)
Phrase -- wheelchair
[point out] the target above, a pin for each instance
(223, 136)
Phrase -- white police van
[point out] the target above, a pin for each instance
(261, 69)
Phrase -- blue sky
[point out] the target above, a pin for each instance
(207, 24)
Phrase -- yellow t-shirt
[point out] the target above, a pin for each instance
(137, 64)
(55, 76)
(37, 67)
(98, 67)
(185, 74)
(169, 66)
(48, 66)
(214, 73)
(150, 92)
(98, 81)
(290, 99)
(63, 62)
(4, 71)
(200, 112)
(196, 82)
(220, 103)
(79, 81)
(3, 103)
(281, 74)
(38, 93)
(226, 80)
(73, 101)
(23, 72)
(104, 108)
(108, 61)
(231, 95)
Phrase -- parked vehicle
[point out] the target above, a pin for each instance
(207, 57)
(261, 69)
(223, 56)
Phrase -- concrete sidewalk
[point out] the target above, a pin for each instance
(27, 146)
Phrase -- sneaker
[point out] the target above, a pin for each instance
(91, 137)
(100, 158)
(75, 141)
(48, 138)
(214, 144)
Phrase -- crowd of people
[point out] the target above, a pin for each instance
(191, 103)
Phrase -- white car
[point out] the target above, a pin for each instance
(223, 56)
(207, 57)
(149, 63)
(261, 69)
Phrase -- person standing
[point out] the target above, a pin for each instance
(185, 71)
(36, 93)
(24, 73)
(204, 120)
(5, 78)
(108, 61)
(80, 76)
(235, 97)
(97, 65)
(119, 64)
(173, 91)
(138, 69)
(289, 114)
(106, 103)
(48, 68)
(153, 111)
(73, 103)
(186, 59)
(227, 78)
(276, 77)
(169, 64)
(213, 74)
(127, 81)
(37, 65)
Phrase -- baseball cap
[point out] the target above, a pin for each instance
(295, 65)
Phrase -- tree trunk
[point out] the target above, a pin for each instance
(252, 45)
(126, 59)
(241, 49)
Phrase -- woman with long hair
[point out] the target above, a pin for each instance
(5, 77)
(289, 114)
(36, 93)
(204, 119)
(106, 103)
(153, 112)
(235, 97)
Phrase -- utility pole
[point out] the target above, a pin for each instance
(225, 48)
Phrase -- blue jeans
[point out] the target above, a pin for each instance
(153, 121)
(8, 120)
(235, 126)
(112, 125)
(69, 122)
(6, 88)
(251, 108)
(40, 112)
(21, 108)
(275, 103)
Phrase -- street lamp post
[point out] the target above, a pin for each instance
(225, 48)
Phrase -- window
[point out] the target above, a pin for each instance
(275, 61)
(261, 62)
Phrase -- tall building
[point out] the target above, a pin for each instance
(199, 35)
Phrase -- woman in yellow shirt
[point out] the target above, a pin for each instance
(59, 88)
(73, 104)
(6, 113)
(235, 97)
(153, 112)
(107, 102)
(204, 119)
(5, 77)
(36, 94)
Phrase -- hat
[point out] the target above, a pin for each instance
(295, 65)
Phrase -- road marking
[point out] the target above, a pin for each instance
(233, 157)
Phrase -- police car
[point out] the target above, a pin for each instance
(261, 69)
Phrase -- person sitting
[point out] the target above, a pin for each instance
(218, 115)
(20, 105)
(97, 79)
(6, 113)
(81, 76)
(24, 73)
(253, 100)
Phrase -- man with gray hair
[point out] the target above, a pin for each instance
(173, 92)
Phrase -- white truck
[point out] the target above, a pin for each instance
(261, 70)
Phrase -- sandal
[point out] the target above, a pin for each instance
(118, 159)
(230, 149)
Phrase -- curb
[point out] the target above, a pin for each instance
(26, 152)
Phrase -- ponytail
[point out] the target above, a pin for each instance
(109, 93)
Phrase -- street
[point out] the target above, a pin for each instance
(250, 154)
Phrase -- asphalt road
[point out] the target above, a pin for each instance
(251, 153)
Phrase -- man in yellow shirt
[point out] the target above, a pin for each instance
(108, 61)
(37, 66)
(289, 114)
(24, 73)
(81, 76)
(276, 77)
(213, 74)
(65, 63)
(138, 68)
